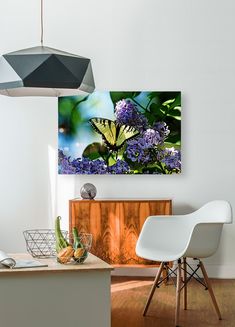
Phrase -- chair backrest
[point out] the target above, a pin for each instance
(206, 233)
(195, 235)
(215, 211)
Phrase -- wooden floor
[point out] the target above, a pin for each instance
(129, 295)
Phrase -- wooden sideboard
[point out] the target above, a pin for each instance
(115, 226)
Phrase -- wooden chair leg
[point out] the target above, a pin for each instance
(157, 278)
(178, 289)
(208, 284)
(164, 275)
(185, 284)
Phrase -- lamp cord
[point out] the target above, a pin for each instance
(42, 23)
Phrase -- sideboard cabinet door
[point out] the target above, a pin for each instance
(115, 226)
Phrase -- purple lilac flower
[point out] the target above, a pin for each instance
(160, 154)
(162, 129)
(152, 137)
(98, 167)
(80, 165)
(64, 164)
(120, 167)
(138, 150)
(172, 159)
(127, 114)
(87, 166)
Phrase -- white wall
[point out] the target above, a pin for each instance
(182, 45)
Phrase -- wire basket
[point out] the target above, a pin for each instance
(40, 243)
(73, 254)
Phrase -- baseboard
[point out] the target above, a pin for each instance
(213, 271)
(137, 272)
(220, 271)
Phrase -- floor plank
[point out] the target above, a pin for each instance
(129, 295)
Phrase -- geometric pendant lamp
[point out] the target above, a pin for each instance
(43, 71)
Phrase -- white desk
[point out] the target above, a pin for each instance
(57, 295)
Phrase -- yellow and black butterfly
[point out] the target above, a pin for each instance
(113, 134)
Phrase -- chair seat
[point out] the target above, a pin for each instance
(161, 255)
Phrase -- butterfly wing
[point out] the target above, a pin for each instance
(125, 133)
(107, 129)
(113, 135)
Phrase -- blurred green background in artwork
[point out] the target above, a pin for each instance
(75, 131)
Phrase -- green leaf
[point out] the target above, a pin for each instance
(177, 101)
(176, 104)
(117, 96)
(135, 94)
(175, 113)
(68, 104)
(157, 111)
(175, 129)
(153, 95)
(96, 150)
(177, 108)
(172, 145)
(175, 117)
(111, 160)
(151, 117)
(164, 95)
(152, 170)
(166, 103)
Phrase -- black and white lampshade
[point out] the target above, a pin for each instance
(44, 71)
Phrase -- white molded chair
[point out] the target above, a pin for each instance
(171, 238)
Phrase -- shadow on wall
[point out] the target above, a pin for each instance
(182, 209)
(52, 184)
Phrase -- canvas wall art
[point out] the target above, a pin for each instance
(120, 133)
